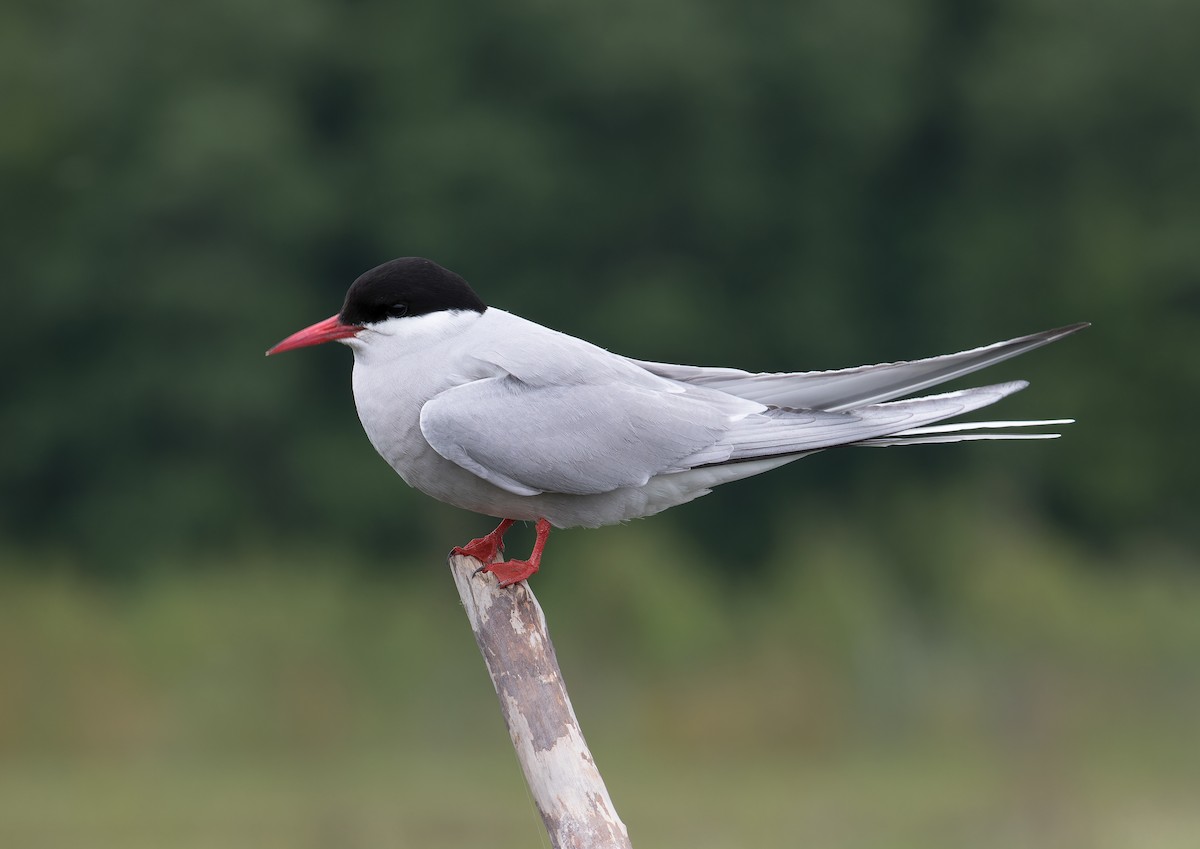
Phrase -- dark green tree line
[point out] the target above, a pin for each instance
(773, 186)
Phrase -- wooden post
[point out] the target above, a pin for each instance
(510, 629)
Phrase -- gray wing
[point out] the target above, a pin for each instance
(594, 438)
(579, 439)
(855, 387)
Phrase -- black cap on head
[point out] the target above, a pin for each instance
(410, 285)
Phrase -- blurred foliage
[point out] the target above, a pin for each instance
(268, 703)
(771, 186)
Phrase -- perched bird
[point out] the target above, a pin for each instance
(492, 413)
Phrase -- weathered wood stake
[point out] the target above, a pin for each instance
(510, 629)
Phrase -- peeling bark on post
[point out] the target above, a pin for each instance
(510, 629)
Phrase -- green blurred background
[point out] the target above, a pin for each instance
(224, 622)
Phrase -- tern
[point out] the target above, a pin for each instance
(493, 413)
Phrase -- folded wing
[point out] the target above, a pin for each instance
(578, 439)
(593, 438)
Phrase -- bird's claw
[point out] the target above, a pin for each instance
(485, 549)
(509, 572)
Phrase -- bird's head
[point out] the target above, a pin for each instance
(387, 297)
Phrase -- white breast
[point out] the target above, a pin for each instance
(398, 366)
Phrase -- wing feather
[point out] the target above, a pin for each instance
(578, 439)
(844, 389)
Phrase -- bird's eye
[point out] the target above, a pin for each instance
(397, 310)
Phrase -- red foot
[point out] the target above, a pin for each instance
(509, 572)
(485, 549)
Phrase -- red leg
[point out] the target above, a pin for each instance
(486, 548)
(510, 572)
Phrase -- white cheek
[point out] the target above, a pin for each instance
(400, 337)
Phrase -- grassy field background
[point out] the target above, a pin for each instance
(292, 702)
